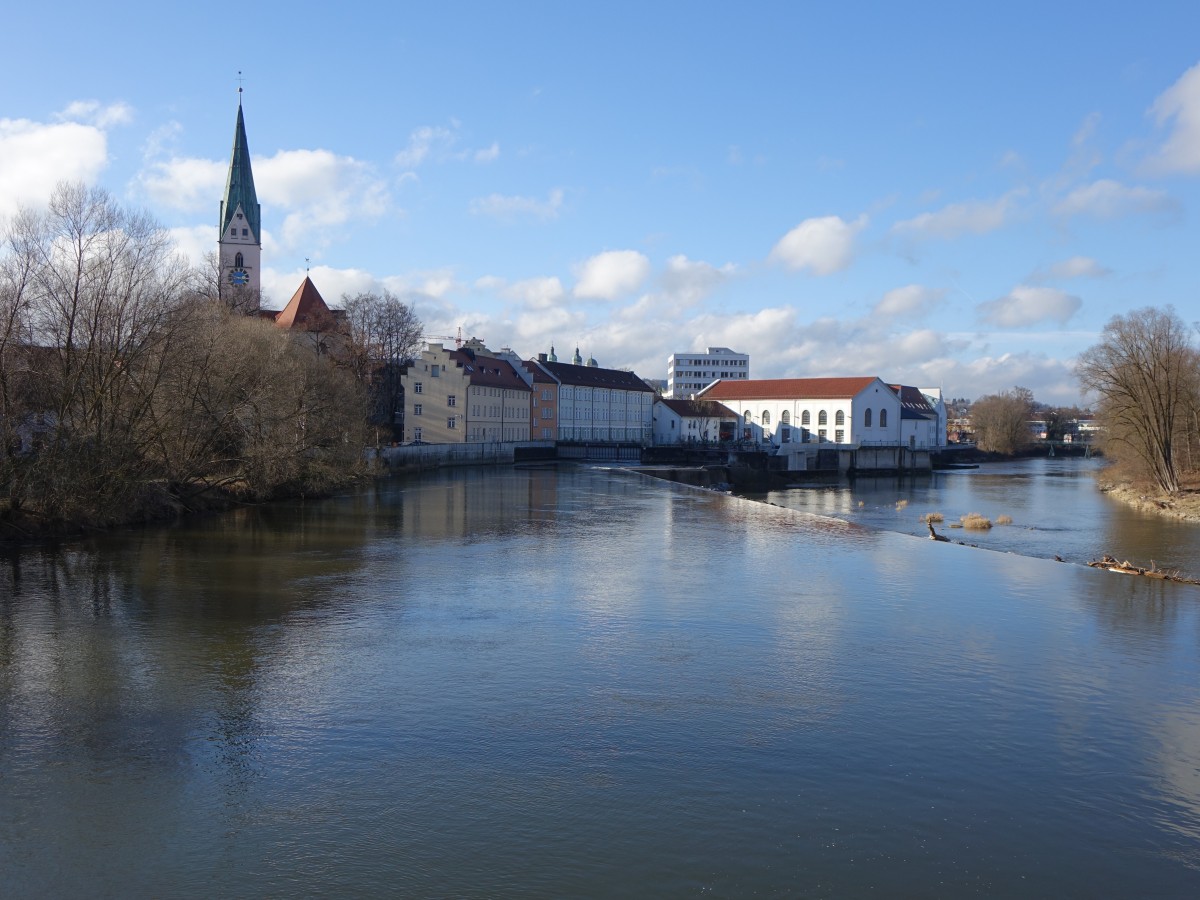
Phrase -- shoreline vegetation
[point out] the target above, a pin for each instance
(158, 505)
(1184, 505)
(136, 388)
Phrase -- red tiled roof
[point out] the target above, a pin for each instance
(786, 389)
(306, 310)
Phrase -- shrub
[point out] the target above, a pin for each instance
(976, 522)
(933, 517)
(1003, 520)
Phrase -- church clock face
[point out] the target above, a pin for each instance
(239, 278)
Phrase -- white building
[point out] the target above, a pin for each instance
(693, 422)
(690, 373)
(921, 425)
(597, 404)
(860, 411)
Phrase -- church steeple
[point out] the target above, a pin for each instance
(241, 218)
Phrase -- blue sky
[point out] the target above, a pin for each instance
(954, 195)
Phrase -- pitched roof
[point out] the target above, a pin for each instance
(596, 377)
(488, 371)
(306, 310)
(698, 409)
(540, 375)
(239, 187)
(913, 404)
(787, 388)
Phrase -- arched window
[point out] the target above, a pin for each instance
(748, 417)
(840, 417)
(883, 418)
(867, 418)
(785, 418)
(806, 418)
(766, 417)
(822, 418)
(237, 261)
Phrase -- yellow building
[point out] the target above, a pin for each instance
(464, 396)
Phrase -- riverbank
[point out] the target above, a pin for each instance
(158, 503)
(1184, 506)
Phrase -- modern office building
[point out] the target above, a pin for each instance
(690, 373)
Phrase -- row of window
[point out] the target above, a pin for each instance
(839, 418)
(709, 360)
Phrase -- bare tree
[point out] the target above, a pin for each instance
(96, 289)
(385, 336)
(1145, 371)
(1001, 421)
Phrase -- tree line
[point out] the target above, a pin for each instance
(129, 390)
(1144, 376)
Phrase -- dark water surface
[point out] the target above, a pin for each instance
(581, 683)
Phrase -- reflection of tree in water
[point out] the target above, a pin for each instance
(148, 647)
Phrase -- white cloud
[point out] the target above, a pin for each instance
(194, 242)
(687, 281)
(908, 301)
(489, 283)
(501, 207)
(537, 293)
(612, 274)
(972, 217)
(822, 245)
(317, 191)
(97, 114)
(1179, 104)
(187, 184)
(1075, 267)
(1029, 305)
(424, 142)
(488, 154)
(1108, 199)
(35, 156)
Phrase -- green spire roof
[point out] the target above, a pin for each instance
(239, 189)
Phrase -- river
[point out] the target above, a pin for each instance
(1054, 507)
(568, 681)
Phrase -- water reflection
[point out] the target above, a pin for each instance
(570, 681)
(1054, 504)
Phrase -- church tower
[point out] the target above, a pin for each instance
(240, 243)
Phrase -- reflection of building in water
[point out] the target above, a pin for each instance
(462, 503)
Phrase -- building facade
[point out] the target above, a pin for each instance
(597, 404)
(859, 411)
(693, 422)
(464, 396)
(543, 402)
(690, 373)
